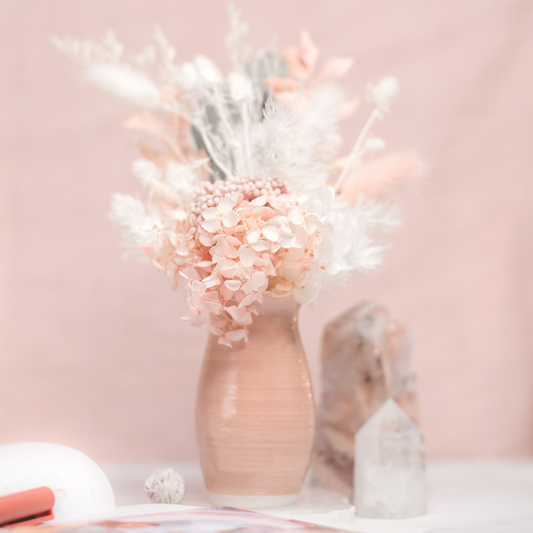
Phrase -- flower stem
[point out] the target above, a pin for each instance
(356, 150)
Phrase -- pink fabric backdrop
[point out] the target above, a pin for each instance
(92, 351)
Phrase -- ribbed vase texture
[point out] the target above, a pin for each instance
(255, 413)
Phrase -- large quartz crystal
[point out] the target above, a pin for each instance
(389, 466)
(365, 360)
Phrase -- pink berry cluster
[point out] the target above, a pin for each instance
(251, 188)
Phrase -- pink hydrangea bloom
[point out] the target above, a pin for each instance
(235, 251)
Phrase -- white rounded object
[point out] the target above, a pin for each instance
(165, 486)
(80, 485)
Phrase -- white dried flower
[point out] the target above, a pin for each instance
(374, 144)
(165, 486)
(258, 200)
(188, 76)
(207, 70)
(124, 82)
(240, 87)
(384, 92)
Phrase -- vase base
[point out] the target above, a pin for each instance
(251, 501)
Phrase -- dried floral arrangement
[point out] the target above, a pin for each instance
(245, 191)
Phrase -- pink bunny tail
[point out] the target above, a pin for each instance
(378, 176)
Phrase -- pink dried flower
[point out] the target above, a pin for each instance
(270, 223)
(336, 68)
(301, 60)
(380, 175)
(245, 243)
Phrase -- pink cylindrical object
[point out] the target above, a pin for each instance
(255, 413)
(29, 504)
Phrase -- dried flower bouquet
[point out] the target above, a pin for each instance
(246, 193)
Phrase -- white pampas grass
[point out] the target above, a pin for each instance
(124, 82)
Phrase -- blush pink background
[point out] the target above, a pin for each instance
(92, 351)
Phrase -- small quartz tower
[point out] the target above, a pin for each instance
(365, 360)
(389, 466)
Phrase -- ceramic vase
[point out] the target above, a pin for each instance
(255, 412)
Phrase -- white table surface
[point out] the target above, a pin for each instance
(463, 496)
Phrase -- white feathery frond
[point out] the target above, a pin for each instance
(319, 125)
(146, 171)
(138, 227)
(108, 50)
(298, 146)
(353, 240)
(147, 59)
(237, 38)
(271, 138)
(167, 53)
(158, 59)
(366, 256)
(183, 179)
(385, 217)
(322, 114)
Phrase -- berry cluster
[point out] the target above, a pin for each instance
(212, 193)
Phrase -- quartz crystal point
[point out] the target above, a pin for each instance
(389, 466)
(365, 360)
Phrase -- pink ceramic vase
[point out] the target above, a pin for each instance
(255, 413)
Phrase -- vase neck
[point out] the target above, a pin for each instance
(274, 325)
(278, 306)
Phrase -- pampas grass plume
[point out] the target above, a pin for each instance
(124, 82)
